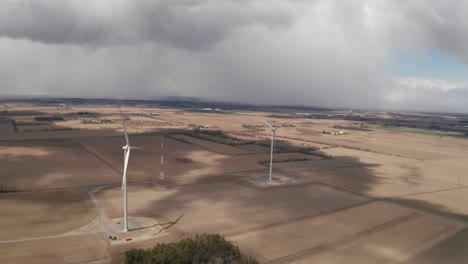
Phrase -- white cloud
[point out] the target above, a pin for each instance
(429, 84)
(436, 95)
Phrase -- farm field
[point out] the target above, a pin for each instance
(90, 248)
(334, 217)
(227, 207)
(371, 233)
(278, 157)
(299, 143)
(387, 197)
(51, 163)
(184, 161)
(448, 251)
(416, 146)
(212, 146)
(24, 214)
(417, 131)
(254, 148)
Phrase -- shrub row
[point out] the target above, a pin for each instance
(206, 248)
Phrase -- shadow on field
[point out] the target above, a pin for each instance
(342, 181)
(169, 224)
(452, 250)
(219, 204)
(226, 204)
(414, 177)
(43, 164)
(429, 207)
(40, 143)
(50, 164)
(206, 193)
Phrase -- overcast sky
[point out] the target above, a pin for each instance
(394, 54)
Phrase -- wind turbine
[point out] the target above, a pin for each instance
(273, 131)
(127, 148)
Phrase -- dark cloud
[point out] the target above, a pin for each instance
(327, 53)
(187, 24)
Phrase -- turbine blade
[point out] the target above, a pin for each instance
(124, 178)
(125, 127)
(268, 124)
(124, 172)
(282, 125)
(136, 147)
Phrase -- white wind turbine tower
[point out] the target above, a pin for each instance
(126, 149)
(273, 131)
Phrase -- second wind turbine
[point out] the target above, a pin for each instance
(273, 131)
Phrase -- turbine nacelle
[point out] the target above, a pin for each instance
(127, 147)
(272, 127)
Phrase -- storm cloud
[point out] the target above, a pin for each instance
(321, 53)
(185, 24)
